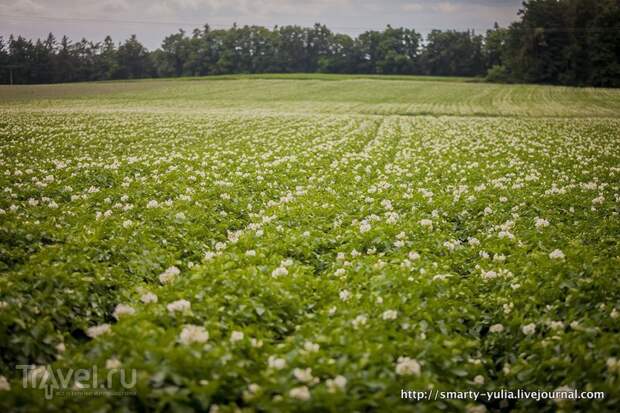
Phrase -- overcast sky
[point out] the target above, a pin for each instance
(152, 20)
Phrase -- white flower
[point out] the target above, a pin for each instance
(613, 365)
(250, 253)
(113, 364)
(473, 241)
(390, 315)
(276, 363)
(98, 330)
(556, 325)
(152, 204)
(148, 298)
(311, 347)
(496, 328)
(365, 226)
(335, 384)
(344, 295)
(340, 272)
(300, 393)
(179, 305)
(540, 223)
(560, 391)
(481, 408)
(426, 223)
(169, 275)
(479, 380)
(529, 329)
(287, 262)
(413, 256)
(488, 275)
(280, 271)
(360, 320)
(303, 375)
(407, 366)
(556, 255)
(193, 334)
(121, 310)
(236, 336)
(4, 384)
(127, 223)
(441, 277)
(209, 255)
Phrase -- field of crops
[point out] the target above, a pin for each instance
(282, 244)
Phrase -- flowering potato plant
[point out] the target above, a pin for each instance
(294, 262)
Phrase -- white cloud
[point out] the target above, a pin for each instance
(447, 7)
(114, 6)
(413, 7)
(23, 7)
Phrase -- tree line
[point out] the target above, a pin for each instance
(571, 42)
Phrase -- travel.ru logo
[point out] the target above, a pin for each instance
(78, 382)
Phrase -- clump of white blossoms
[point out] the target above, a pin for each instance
(426, 223)
(179, 306)
(496, 328)
(236, 336)
(540, 223)
(529, 329)
(169, 275)
(300, 393)
(276, 363)
(311, 347)
(337, 383)
(390, 315)
(113, 363)
(305, 375)
(556, 255)
(148, 297)
(152, 204)
(123, 309)
(407, 366)
(359, 321)
(193, 334)
(96, 331)
(279, 272)
(413, 256)
(613, 365)
(4, 384)
(344, 295)
(365, 226)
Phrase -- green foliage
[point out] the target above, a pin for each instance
(568, 42)
(498, 73)
(382, 252)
